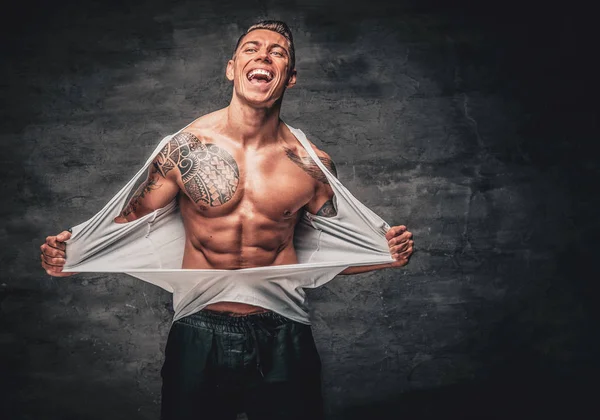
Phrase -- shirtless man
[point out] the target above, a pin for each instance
(242, 181)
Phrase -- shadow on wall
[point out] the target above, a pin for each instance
(535, 362)
(509, 398)
(52, 368)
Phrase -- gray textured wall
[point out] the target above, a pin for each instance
(470, 127)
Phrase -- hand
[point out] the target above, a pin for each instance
(401, 245)
(54, 254)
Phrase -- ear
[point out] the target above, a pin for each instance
(292, 79)
(229, 71)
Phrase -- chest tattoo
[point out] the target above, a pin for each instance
(209, 173)
(310, 167)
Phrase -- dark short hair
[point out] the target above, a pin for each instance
(275, 26)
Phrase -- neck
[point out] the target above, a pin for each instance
(253, 126)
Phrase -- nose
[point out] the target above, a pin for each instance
(263, 55)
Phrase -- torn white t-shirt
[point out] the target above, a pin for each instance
(151, 249)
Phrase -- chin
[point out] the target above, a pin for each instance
(260, 100)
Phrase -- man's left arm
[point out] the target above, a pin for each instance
(401, 248)
(399, 238)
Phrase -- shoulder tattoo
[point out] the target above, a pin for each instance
(310, 167)
(209, 173)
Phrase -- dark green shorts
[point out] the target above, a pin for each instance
(217, 365)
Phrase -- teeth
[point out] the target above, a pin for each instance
(260, 71)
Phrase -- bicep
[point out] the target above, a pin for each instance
(155, 192)
(322, 202)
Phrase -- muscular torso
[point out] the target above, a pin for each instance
(239, 204)
(239, 207)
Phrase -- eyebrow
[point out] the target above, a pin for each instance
(272, 46)
(249, 42)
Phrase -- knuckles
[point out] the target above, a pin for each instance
(394, 231)
(50, 252)
(401, 239)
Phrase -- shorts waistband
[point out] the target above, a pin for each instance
(224, 321)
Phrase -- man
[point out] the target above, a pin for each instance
(242, 181)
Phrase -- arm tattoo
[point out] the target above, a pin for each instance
(150, 185)
(209, 174)
(327, 210)
(310, 167)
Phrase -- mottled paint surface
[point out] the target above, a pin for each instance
(470, 128)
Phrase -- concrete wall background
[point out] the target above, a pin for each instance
(473, 127)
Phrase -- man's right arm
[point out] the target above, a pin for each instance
(156, 192)
(159, 188)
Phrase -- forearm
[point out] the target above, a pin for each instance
(366, 268)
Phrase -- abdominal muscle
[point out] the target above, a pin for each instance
(235, 241)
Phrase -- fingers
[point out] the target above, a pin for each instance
(405, 236)
(402, 252)
(401, 244)
(402, 258)
(56, 243)
(53, 242)
(54, 270)
(403, 247)
(395, 231)
(56, 262)
(63, 236)
(53, 254)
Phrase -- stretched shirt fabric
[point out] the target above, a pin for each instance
(151, 249)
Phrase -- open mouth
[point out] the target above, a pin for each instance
(260, 76)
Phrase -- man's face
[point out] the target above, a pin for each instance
(260, 69)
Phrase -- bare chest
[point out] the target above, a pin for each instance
(221, 180)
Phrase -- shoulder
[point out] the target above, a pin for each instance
(323, 157)
(208, 121)
(320, 153)
(179, 148)
(299, 155)
(201, 130)
(291, 142)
